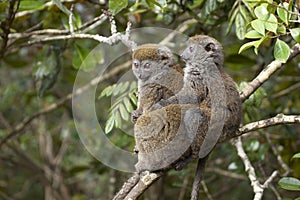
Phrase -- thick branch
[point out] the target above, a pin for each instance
(278, 119)
(146, 180)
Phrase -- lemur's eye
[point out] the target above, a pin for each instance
(191, 49)
(147, 65)
(135, 64)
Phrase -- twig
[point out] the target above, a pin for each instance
(278, 156)
(71, 20)
(278, 119)
(204, 186)
(183, 187)
(257, 187)
(46, 5)
(265, 74)
(84, 28)
(113, 27)
(4, 122)
(226, 173)
(286, 91)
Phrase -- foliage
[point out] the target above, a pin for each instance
(123, 104)
(46, 159)
(270, 20)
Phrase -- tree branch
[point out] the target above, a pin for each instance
(278, 119)
(6, 25)
(265, 74)
(257, 187)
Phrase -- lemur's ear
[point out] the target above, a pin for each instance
(165, 54)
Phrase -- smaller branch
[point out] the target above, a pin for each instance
(257, 188)
(113, 27)
(278, 119)
(276, 193)
(204, 186)
(71, 20)
(290, 12)
(62, 150)
(270, 179)
(4, 122)
(182, 28)
(286, 91)
(226, 173)
(46, 5)
(184, 187)
(113, 39)
(279, 158)
(84, 27)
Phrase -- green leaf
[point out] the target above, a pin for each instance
(281, 29)
(259, 26)
(253, 34)
(79, 57)
(281, 51)
(109, 124)
(133, 98)
(118, 120)
(245, 14)
(297, 155)
(231, 20)
(261, 12)
(31, 5)
(46, 69)
(85, 59)
(289, 183)
(106, 92)
(123, 111)
(61, 6)
(128, 104)
(271, 23)
(115, 6)
(254, 44)
(210, 6)
(240, 25)
(124, 87)
(282, 13)
(295, 32)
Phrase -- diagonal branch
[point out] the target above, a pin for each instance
(257, 187)
(265, 74)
